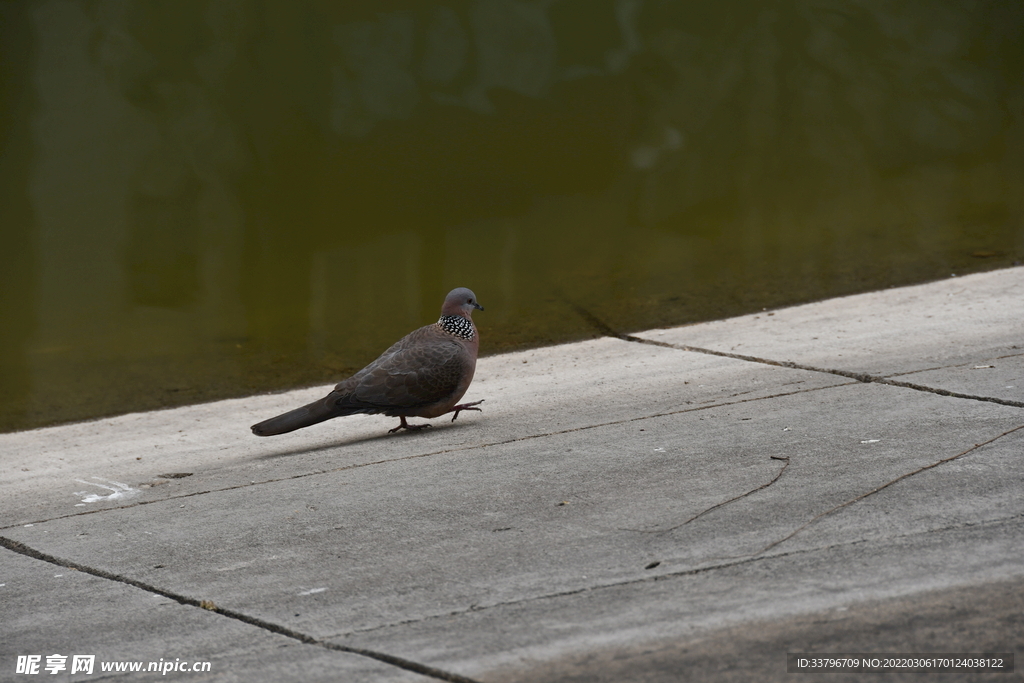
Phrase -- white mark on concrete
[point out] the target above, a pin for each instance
(233, 567)
(871, 441)
(659, 450)
(311, 591)
(28, 525)
(118, 491)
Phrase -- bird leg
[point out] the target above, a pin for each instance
(406, 425)
(466, 406)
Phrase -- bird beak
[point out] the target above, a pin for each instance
(478, 307)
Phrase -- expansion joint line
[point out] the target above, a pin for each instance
(609, 331)
(408, 665)
(859, 376)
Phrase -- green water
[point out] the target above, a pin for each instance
(210, 199)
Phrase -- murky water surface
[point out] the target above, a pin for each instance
(208, 199)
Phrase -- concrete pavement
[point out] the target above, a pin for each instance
(684, 504)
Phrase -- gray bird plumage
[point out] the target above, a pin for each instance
(424, 374)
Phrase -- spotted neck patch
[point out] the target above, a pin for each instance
(457, 325)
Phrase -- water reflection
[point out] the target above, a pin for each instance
(205, 199)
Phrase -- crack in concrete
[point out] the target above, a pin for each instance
(422, 455)
(561, 594)
(400, 662)
(886, 485)
(774, 479)
(947, 367)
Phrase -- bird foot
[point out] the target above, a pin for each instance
(466, 406)
(406, 425)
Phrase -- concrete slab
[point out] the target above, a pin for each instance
(614, 498)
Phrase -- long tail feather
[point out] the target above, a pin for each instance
(307, 415)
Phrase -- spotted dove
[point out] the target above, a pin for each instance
(424, 374)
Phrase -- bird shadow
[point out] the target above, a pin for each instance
(355, 441)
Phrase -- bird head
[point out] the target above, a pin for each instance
(460, 301)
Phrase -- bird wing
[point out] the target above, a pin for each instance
(419, 370)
